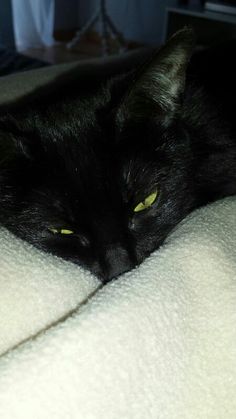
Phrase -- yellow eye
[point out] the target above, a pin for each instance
(148, 201)
(65, 231)
(60, 231)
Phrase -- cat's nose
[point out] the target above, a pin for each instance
(117, 261)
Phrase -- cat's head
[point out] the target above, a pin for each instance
(102, 180)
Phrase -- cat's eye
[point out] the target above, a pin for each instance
(147, 203)
(60, 231)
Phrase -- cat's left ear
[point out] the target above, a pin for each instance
(158, 90)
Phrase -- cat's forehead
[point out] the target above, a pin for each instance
(81, 141)
(92, 158)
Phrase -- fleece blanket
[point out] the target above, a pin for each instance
(157, 343)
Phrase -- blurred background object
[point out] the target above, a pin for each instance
(222, 6)
(43, 29)
(6, 24)
(211, 27)
(33, 23)
(109, 34)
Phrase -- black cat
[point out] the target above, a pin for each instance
(101, 179)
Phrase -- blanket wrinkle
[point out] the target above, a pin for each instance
(36, 290)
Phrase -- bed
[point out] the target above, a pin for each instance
(158, 342)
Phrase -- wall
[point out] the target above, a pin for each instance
(6, 28)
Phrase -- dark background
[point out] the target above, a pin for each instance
(146, 22)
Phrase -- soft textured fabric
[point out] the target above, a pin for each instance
(21, 85)
(158, 343)
(36, 289)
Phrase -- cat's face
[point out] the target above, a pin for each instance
(105, 184)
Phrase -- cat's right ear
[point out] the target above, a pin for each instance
(158, 90)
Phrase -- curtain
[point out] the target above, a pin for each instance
(33, 22)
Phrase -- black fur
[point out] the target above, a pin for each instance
(85, 163)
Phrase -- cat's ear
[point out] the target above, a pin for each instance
(158, 90)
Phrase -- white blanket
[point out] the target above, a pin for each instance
(158, 343)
